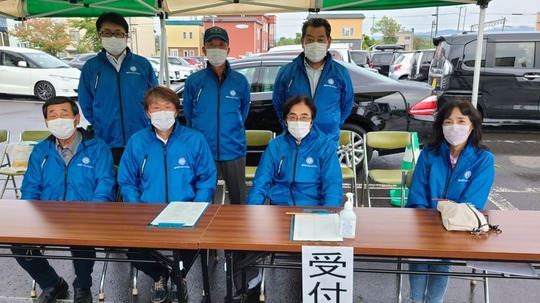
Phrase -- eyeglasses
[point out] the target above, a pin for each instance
(292, 117)
(115, 34)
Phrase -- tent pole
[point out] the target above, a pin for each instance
(478, 55)
(163, 54)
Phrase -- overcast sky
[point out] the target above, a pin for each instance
(420, 19)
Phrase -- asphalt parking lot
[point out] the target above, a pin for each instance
(516, 188)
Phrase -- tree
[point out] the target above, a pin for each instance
(367, 42)
(388, 27)
(290, 41)
(422, 43)
(89, 40)
(43, 34)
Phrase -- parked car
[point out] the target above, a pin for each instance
(79, 60)
(380, 103)
(509, 90)
(420, 63)
(25, 71)
(381, 60)
(360, 57)
(194, 62)
(176, 72)
(66, 59)
(400, 67)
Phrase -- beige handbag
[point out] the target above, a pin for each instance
(464, 217)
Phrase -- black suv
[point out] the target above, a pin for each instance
(509, 89)
(380, 103)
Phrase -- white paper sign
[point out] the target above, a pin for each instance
(327, 274)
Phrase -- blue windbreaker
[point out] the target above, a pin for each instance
(89, 176)
(112, 101)
(218, 111)
(154, 172)
(470, 181)
(333, 96)
(308, 174)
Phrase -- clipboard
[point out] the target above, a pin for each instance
(315, 227)
(180, 215)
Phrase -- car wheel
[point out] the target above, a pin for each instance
(44, 90)
(344, 150)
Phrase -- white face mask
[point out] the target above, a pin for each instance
(61, 128)
(162, 120)
(315, 51)
(456, 134)
(298, 129)
(114, 46)
(216, 56)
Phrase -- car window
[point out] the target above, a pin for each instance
(382, 58)
(469, 53)
(9, 59)
(514, 54)
(249, 72)
(268, 77)
(427, 57)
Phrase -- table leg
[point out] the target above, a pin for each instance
(206, 279)
(229, 264)
(178, 275)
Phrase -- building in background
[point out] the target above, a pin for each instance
(184, 38)
(538, 21)
(346, 28)
(406, 39)
(248, 34)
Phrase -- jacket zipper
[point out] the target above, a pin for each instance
(294, 175)
(121, 107)
(166, 173)
(218, 149)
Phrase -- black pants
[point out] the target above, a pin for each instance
(45, 276)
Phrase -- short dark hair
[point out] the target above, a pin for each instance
(113, 18)
(316, 22)
(163, 93)
(60, 100)
(292, 101)
(467, 109)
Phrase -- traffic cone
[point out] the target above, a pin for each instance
(409, 158)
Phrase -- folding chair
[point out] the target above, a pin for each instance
(256, 140)
(348, 172)
(384, 140)
(34, 135)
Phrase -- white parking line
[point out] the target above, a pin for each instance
(501, 202)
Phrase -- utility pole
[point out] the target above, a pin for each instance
(464, 16)
(372, 25)
(437, 21)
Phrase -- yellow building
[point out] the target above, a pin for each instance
(184, 38)
(346, 28)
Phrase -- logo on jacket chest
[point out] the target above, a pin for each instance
(85, 162)
(330, 83)
(466, 177)
(309, 162)
(182, 163)
(232, 95)
(133, 70)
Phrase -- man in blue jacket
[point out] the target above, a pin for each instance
(163, 163)
(70, 165)
(314, 73)
(113, 84)
(216, 103)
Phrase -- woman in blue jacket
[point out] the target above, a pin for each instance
(299, 167)
(163, 163)
(455, 165)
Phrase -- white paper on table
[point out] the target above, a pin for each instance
(315, 227)
(180, 214)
